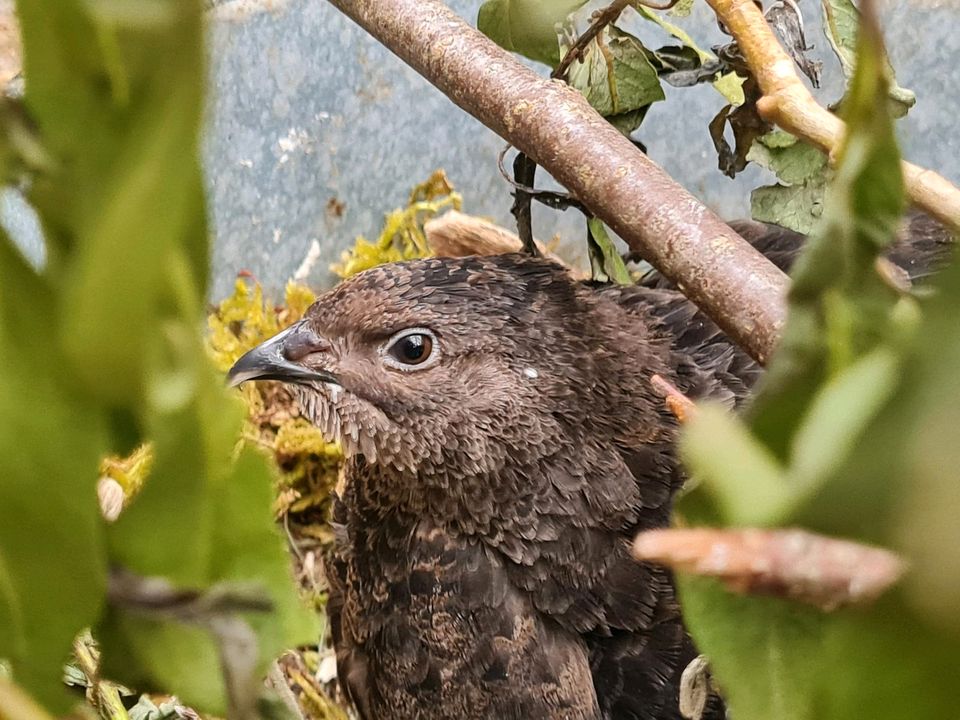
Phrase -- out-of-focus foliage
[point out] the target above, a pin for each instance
(850, 435)
(527, 26)
(101, 349)
(402, 237)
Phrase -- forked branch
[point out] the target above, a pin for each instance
(787, 103)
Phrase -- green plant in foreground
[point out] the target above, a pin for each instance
(849, 436)
(102, 349)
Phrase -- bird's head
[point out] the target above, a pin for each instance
(469, 360)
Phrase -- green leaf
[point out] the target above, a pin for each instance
(528, 27)
(793, 161)
(920, 453)
(102, 350)
(675, 30)
(745, 480)
(777, 659)
(796, 202)
(616, 77)
(730, 85)
(797, 207)
(838, 415)
(52, 564)
(604, 258)
(841, 19)
(840, 308)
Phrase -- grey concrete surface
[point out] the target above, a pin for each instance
(315, 131)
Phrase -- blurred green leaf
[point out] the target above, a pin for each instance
(52, 561)
(102, 350)
(926, 460)
(838, 415)
(528, 27)
(840, 307)
(743, 478)
(778, 659)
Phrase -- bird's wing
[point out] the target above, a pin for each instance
(642, 653)
(704, 362)
(923, 246)
(580, 573)
(585, 580)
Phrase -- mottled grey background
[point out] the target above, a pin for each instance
(309, 113)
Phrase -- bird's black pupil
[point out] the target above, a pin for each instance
(413, 348)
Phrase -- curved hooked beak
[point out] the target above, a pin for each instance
(279, 359)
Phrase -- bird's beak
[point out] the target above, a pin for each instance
(278, 359)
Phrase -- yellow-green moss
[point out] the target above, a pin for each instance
(402, 237)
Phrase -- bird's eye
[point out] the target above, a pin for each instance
(411, 349)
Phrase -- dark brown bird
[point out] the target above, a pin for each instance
(504, 445)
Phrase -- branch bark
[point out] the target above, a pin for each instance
(791, 563)
(553, 124)
(787, 103)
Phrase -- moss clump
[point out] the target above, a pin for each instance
(402, 237)
(308, 464)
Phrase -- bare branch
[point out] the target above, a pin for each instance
(817, 570)
(553, 124)
(787, 102)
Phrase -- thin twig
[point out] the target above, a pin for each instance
(278, 680)
(601, 18)
(814, 569)
(104, 696)
(787, 102)
(550, 198)
(682, 407)
(524, 172)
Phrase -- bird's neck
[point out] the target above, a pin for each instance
(464, 503)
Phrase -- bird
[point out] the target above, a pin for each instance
(503, 445)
